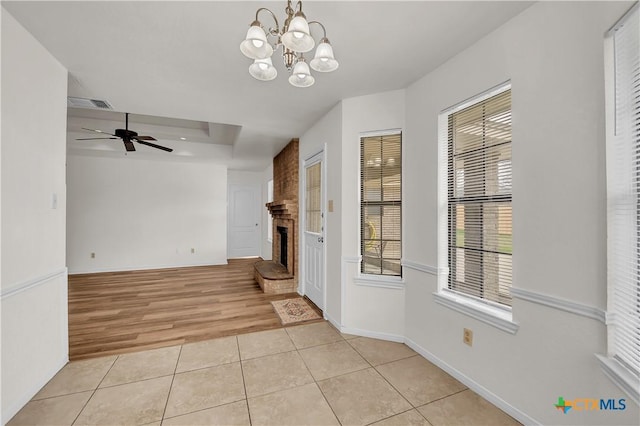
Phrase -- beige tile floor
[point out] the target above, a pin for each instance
(305, 375)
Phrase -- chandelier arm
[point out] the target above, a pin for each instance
(299, 6)
(289, 10)
(273, 15)
(324, 30)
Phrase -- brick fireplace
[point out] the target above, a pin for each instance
(280, 275)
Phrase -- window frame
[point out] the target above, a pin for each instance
(366, 278)
(497, 315)
(612, 366)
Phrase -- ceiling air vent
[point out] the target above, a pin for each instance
(87, 103)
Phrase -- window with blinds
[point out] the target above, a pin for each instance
(381, 204)
(623, 197)
(479, 230)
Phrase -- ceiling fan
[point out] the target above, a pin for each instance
(128, 137)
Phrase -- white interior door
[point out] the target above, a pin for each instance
(244, 221)
(313, 221)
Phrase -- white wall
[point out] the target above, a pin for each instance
(327, 134)
(373, 311)
(142, 214)
(34, 280)
(352, 306)
(240, 177)
(553, 54)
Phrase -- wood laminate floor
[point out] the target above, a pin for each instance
(120, 312)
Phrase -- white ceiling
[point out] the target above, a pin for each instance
(182, 60)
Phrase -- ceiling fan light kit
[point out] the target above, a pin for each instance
(295, 39)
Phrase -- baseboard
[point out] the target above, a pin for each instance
(364, 333)
(373, 334)
(144, 267)
(473, 385)
(25, 398)
(331, 320)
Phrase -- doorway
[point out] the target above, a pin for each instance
(244, 221)
(313, 222)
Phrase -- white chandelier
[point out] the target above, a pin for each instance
(295, 39)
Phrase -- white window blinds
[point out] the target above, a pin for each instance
(479, 199)
(381, 204)
(623, 197)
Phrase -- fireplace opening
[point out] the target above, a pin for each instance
(283, 231)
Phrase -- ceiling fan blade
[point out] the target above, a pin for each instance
(146, 138)
(93, 139)
(98, 131)
(128, 145)
(153, 145)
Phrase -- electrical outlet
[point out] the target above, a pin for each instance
(467, 337)
(193, 250)
(93, 255)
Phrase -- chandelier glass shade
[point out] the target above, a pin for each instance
(295, 39)
(301, 75)
(298, 37)
(255, 44)
(324, 60)
(263, 69)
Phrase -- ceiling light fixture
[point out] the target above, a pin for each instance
(295, 39)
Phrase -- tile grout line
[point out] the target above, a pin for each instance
(328, 403)
(315, 382)
(95, 390)
(384, 378)
(203, 368)
(399, 359)
(393, 415)
(146, 379)
(244, 383)
(319, 344)
(394, 388)
(341, 374)
(370, 366)
(423, 416)
(199, 410)
(173, 377)
(400, 393)
(295, 349)
(444, 397)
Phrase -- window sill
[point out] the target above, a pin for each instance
(487, 314)
(621, 376)
(380, 281)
